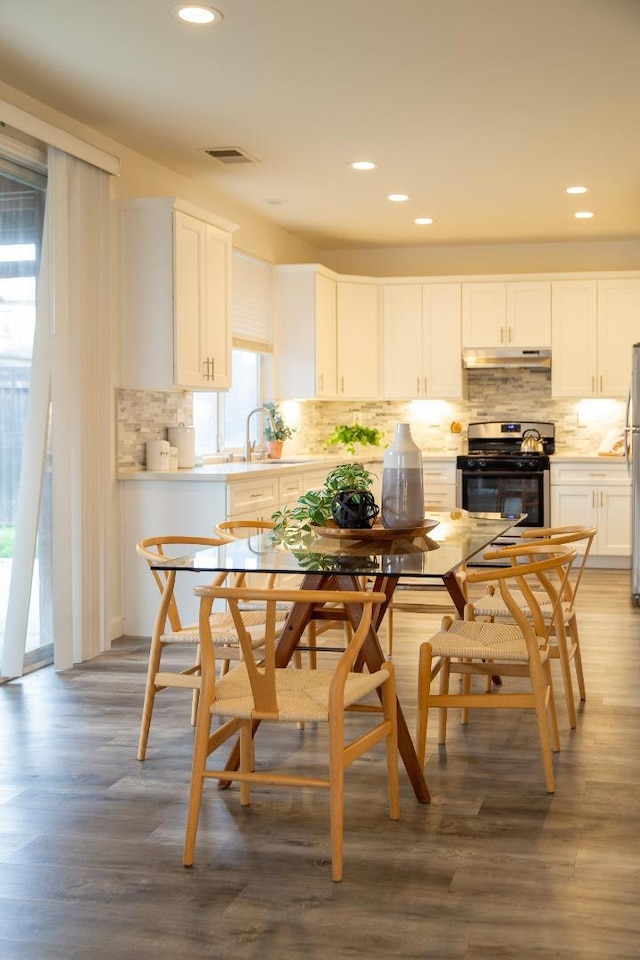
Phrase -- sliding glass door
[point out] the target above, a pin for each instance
(22, 200)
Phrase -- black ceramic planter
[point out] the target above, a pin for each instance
(354, 509)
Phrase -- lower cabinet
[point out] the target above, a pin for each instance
(439, 480)
(595, 496)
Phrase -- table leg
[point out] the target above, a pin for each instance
(373, 657)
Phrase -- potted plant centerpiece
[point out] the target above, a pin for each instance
(345, 498)
(276, 431)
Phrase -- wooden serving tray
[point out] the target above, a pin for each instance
(376, 533)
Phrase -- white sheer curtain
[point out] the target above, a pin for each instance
(71, 366)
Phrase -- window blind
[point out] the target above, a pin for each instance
(252, 303)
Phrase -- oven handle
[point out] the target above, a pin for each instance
(499, 474)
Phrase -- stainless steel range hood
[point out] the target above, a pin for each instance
(491, 357)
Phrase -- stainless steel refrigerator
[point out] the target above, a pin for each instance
(632, 450)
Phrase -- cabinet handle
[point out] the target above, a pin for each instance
(418, 386)
(256, 496)
(601, 499)
(321, 381)
(341, 384)
(509, 335)
(593, 499)
(425, 386)
(501, 334)
(600, 383)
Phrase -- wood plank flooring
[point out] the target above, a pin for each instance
(492, 869)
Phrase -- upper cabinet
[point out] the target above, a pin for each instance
(595, 324)
(511, 314)
(421, 341)
(306, 334)
(176, 296)
(357, 340)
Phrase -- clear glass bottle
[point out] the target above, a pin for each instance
(402, 488)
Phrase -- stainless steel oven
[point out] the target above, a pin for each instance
(495, 476)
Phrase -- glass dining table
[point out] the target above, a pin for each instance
(330, 559)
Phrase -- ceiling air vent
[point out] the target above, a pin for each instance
(229, 155)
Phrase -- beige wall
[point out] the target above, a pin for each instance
(433, 261)
(142, 177)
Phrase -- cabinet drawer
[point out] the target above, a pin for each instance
(251, 495)
(314, 479)
(439, 496)
(590, 474)
(290, 488)
(438, 472)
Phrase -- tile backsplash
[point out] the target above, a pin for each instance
(491, 395)
(146, 415)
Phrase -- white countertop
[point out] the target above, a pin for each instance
(233, 472)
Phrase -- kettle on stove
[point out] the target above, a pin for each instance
(532, 442)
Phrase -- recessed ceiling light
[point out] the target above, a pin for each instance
(424, 221)
(275, 202)
(577, 190)
(584, 215)
(398, 197)
(363, 165)
(197, 13)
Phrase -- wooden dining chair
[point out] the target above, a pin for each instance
(245, 529)
(169, 630)
(565, 643)
(483, 647)
(250, 693)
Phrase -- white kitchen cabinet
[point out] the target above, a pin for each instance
(421, 341)
(357, 337)
(306, 345)
(439, 481)
(176, 296)
(595, 324)
(511, 314)
(594, 495)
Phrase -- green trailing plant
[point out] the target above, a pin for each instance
(314, 508)
(276, 430)
(350, 434)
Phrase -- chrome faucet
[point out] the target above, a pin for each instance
(247, 441)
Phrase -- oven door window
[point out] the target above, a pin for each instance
(507, 493)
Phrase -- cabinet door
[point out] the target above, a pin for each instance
(402, 346)
(216, 318)
(618, 330)
(574, 341)
(573, 505)
(357, 316)
(441, 341)
(484, 311)
(325, 337)
(614, 521)
(529, 314)
(189, 241)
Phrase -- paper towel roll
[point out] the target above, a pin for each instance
(184, 438)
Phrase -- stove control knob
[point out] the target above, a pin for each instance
(481, 464)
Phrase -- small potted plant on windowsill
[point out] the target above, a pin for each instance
(276, 431)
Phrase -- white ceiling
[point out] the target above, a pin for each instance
(482, 110)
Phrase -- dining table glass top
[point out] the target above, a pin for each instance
(456, 537)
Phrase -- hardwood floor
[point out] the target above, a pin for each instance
(492, 869)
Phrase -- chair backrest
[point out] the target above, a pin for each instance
(262, 674)
(241, 529)
(581, 537)
(548, 565)
(154, 549)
